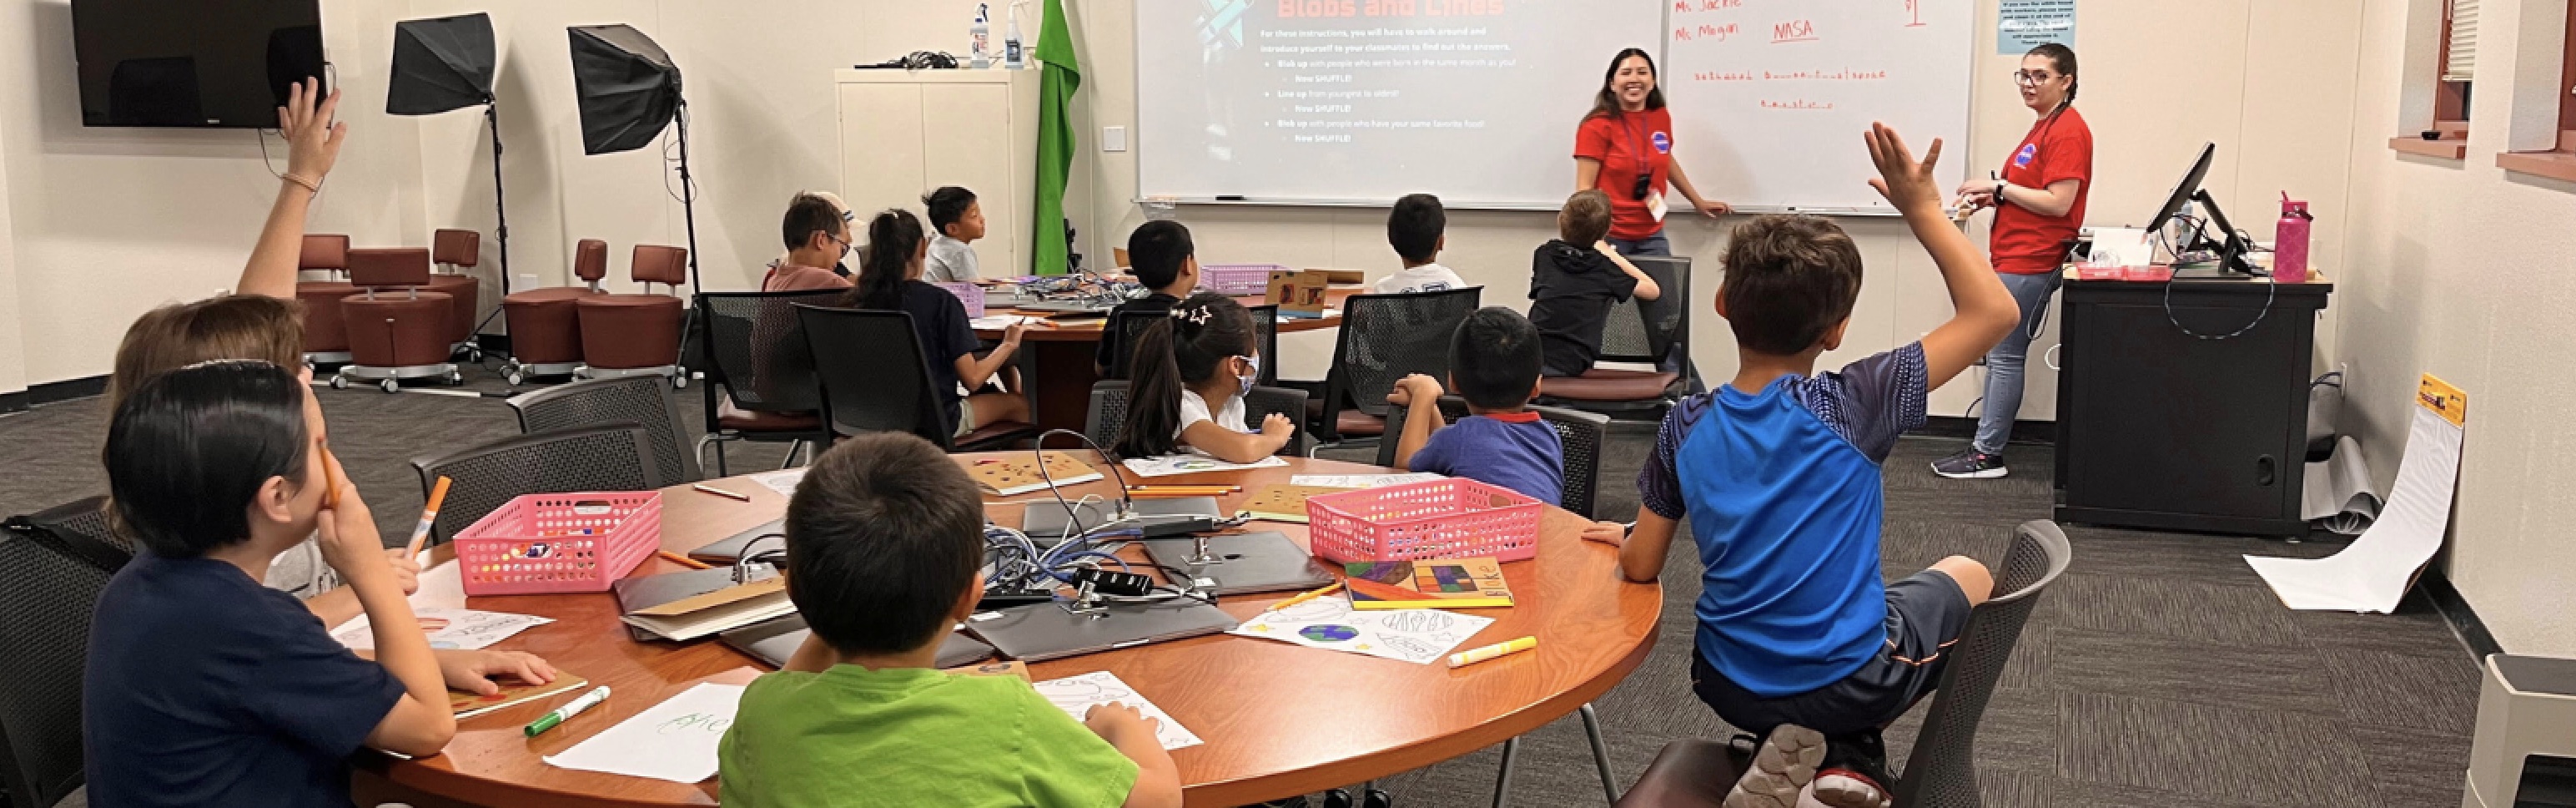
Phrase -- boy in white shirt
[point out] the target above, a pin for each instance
(956, 221)
(1416, 229)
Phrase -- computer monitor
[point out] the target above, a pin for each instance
(2230, 246)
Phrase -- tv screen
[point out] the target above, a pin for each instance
(219, 63)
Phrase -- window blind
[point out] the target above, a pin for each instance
(2463, 62)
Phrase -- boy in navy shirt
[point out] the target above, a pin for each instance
(1778, 473)
(1494, 364)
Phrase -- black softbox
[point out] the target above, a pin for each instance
(441, 64)
(627, 87)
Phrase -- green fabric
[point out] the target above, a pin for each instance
(1063, 76)
(911, 737)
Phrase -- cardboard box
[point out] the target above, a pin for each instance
(1300, 293)
(1342, 277)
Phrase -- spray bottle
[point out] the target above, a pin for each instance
(980, 51)
(1013, 56)
(2290, 241)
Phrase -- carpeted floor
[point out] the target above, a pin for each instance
(2158, 672)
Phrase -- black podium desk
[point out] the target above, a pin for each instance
(2160, 429)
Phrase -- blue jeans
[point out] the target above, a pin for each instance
(2004, 363)
(1651, 245)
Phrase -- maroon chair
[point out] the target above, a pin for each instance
(458, 252)
(636, 335)
(396, 330)
(326, 339)
(545, 324)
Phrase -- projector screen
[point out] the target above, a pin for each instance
(1364, 101)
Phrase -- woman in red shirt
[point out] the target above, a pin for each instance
(1625, 148)
(2039, 205)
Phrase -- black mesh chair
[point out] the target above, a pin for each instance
(874, 379)
(52, 565)
(1647, 332)
(1942, 771)
(1108, 414)
(1385, 338)
(1582, 433)
(755, 356)
(1265, 332)
(487, 476)
(631, 401)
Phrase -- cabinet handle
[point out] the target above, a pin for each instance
(2265, 471)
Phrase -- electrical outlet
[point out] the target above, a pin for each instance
(527, 281)
(1113, 138)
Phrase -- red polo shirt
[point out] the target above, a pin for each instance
(2059, 147)
(1628, 144)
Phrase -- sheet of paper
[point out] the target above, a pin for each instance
(448, 629)
(2374, 572)
(1003, 321)
(674, 740)
(1363, 480)
(1174, 465)
(783, 482)
(441, 587)
(1076, 695)
(1419, 636)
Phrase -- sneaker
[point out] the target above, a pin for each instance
(1781, 770)
(1970, 464)
(1854, 773)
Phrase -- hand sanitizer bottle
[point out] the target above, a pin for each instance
(980, 52)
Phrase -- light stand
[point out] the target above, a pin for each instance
(688, 196)
(628, 90)
(446, 64)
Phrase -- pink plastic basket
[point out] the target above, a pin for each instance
(547, 543)
(967, 293)
(1238, 279)
(1454, 518)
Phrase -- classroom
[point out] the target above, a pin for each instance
(1342, 404)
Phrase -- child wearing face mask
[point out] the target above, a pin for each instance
(1190, 375)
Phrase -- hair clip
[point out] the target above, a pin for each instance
(1194, 316)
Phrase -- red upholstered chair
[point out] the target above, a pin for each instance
(545, 328)
(396, 330)
(326, 339)
(458, 252)
(636, 335)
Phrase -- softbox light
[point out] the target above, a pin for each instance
(440, 65)
(627, 87)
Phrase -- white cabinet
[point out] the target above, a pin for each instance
(905, 132)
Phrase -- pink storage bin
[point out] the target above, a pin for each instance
(967, 293)
(551, 543)
(1453, 518)
(1238, 279)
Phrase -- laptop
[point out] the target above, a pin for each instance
(1044, 631)
(1045, 523)
(1245, 564)
(774, 641)
(730, 548)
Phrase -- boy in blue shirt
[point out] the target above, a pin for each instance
(1799, 640)
(1494, 360)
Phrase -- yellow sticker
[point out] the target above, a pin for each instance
(2443, 399)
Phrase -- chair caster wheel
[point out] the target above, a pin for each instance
(455, 378)
(679, 382)
(515, 378)
(1378, 798)
(390, 386)
(339, 383)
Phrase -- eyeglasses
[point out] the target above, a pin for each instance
(2032, 78)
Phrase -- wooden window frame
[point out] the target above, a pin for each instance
(2450, 107)
(2557, 163)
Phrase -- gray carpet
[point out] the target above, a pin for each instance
(2158, 672)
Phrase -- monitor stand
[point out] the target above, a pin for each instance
(2231, 248)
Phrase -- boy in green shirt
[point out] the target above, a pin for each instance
(883, 546)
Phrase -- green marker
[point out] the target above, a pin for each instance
(566, 712)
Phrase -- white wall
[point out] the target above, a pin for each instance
(2461, 270)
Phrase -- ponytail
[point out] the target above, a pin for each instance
(893, 237)
(1175, 352)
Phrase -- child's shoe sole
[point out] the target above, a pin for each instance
(1781, 769)
(1843, 789)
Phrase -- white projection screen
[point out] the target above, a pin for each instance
(1363, 101)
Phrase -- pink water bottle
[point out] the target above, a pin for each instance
(2290, 241)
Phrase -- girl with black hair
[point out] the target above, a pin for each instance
(2038, 199)
(203, 687)
(890, 280)
(1189, 376)
(1624, 147)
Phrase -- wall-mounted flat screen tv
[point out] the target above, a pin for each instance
(199, 63)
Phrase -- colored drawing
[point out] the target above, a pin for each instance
(1418, 622)
(1328, 633)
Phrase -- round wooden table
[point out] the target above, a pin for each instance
(1278, 719)
(1058, 357)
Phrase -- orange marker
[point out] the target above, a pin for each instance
(428, 516)
(682, 560)
(330, 480)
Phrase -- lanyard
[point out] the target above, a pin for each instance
(1637, 145)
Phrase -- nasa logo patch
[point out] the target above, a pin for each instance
(2029, 151)
(1663, 143)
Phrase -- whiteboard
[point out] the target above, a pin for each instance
(1363, 101)
(1770, 97)
(1358, 102)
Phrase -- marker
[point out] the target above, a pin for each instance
(682, 560)
(428, 516)
(330, 480)
(565, 713)
(721, 492)
(1337, 585)
(1465, 658)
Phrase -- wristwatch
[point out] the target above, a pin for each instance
(1999, 191)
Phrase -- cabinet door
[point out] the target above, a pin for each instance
(881, 147)
(967, 143)
(2163, 422)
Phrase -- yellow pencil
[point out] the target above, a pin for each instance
(1337, 585)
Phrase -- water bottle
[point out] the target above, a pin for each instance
(2290, 241)
(980, 51)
